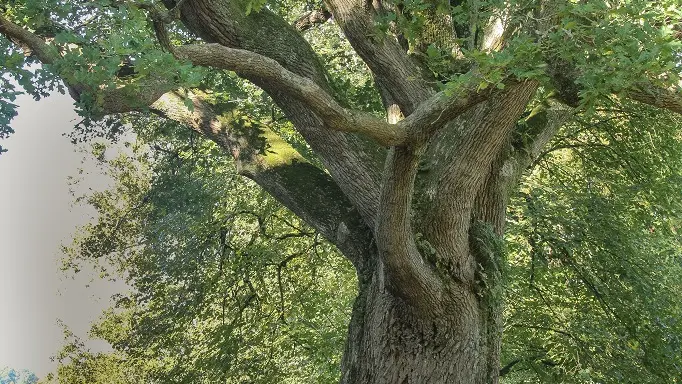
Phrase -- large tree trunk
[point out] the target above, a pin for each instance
(393, 342)
(453, 338)
(390, 340)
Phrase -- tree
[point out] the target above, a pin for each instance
(77, 365)
(12, 376)
(227, 285)
(412, 190)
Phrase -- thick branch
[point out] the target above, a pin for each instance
(406, 272)
(273, 164)
(280, 170)
(29, 42)
(646, 93)
(250, 64)
(350, 160)
(311, 19)
(465, 162)
(482, 143)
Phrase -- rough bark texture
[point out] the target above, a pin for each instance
(423, 229)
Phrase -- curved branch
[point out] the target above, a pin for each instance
(250, 64)
(429, 116)
(466, 162)
(407, 274)
(665, 98)
(350, 160)
(31, 43)
(483, 142)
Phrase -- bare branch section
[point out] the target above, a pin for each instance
(482, 143)
(251, 64)
(462, 175)
(311, 19)
(407, 274)
(670, 99)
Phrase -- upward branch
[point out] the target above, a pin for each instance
(31, 43)
(407, 274)
(251, 64)
(429, 116)
(405, 81)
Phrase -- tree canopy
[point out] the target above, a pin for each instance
(398, 143)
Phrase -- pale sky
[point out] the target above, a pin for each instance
(36, 216)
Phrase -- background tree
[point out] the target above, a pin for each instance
(12, 376)
(412, 190)
(594, 255)
(77, 365)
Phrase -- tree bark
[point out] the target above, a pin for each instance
(390, 340)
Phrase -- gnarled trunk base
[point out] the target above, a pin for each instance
(391, 342)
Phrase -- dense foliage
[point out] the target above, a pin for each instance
(230, 287)
(595, 255)
(226, 284)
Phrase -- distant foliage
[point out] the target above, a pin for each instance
(12, 376)
(227, 285)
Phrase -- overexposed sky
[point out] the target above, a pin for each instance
(36, 216)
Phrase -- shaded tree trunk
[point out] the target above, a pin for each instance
(391, 341)
(455, 338)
